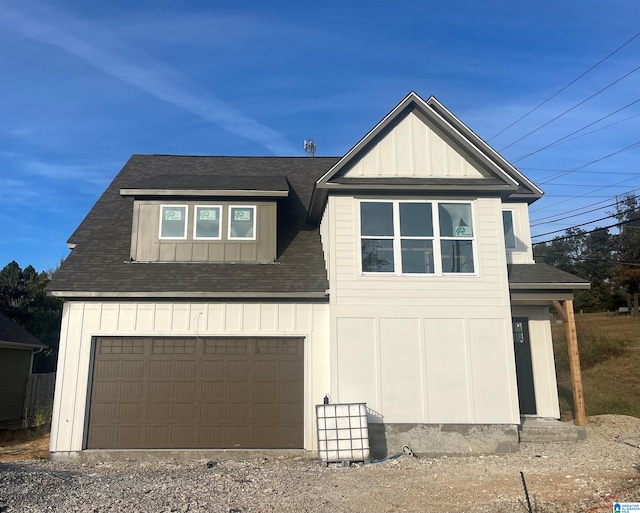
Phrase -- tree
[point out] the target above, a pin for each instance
(626, 274)
(23, 298)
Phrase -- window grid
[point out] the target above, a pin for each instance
(436, 239)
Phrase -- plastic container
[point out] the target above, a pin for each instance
(343, 433)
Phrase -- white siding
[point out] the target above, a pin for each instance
(81, 321)
(414, 148)
(426, 349)
(523, 253)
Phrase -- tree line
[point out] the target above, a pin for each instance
(23, 298)
(608, 258)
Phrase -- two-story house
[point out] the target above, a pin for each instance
(212, 302)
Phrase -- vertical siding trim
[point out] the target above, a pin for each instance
(56, 415)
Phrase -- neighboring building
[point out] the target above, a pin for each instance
(211, 302)
(17, 347)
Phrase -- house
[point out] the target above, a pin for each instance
(17, 347)
(211, 302)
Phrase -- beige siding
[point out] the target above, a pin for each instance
(544, 370)
(82, 321)
(415, 147)
(146, 246)
(523, 253)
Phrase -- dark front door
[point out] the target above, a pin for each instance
(524, 367)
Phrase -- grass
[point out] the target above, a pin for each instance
(609, 359)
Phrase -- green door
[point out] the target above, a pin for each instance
(524, 367)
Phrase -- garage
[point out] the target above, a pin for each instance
(161, 393)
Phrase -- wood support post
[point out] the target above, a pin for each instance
(574, 364)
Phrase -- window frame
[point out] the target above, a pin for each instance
(513, 229)
(255, 224)
(195, 221)
(186, 222)
(436, 238)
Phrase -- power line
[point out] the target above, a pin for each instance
(586, 233)
(589, 195)
(558, 141)
(570, 109)
(584, 224)
(565, 87)
(573, 170)
(538, 221)
(560, 256)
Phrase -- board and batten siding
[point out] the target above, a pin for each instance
(414, 148)
(542, 361)
(84, 320)
(422, 349)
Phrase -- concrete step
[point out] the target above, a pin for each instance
(536, 430)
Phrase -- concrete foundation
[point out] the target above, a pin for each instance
(99, 455)
(440, 439)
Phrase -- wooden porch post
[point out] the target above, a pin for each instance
(574, 364)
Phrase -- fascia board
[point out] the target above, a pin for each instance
(19, 345)
(201, 193)
(550, 286)
(193, 295)
(478, 141)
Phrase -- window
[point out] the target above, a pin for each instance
(416, 237)
(173, 222)
(509, 233)
(207, 222)
(242, 222)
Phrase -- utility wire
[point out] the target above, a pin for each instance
(586, 233)
(570, 109)
(573, 170)
(558, 141)
(582, 195)
(540, 219)
(565, 87)
(559, 256)
(589, 222)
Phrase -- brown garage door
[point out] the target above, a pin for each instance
(197, 393)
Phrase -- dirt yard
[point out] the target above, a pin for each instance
(585, 476)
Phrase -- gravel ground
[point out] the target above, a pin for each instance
(571, 476)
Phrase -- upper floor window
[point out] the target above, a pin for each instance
(416, 237)
(173, 222)
(509, 233)
(207, 222)
(242, 222)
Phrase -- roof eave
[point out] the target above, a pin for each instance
(204, 192)
(75, 294)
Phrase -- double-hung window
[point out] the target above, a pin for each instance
(416, 237)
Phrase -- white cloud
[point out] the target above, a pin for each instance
(112, 56)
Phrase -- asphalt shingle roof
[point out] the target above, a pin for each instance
(100, 260)
(542, 274)
(10, 331)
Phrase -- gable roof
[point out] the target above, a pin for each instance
(14, 335)
(99, 264)
(504, 179)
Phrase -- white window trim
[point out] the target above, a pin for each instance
(255, 210)
(186, 222)
(513, 227)
(195, 221)
(436, 238)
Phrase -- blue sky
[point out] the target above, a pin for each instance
(87, 84)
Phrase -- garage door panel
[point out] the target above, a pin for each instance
(197, 393)
(186, 390)
(159, 411)
(160, 390)
(162, 369)
(214, 390)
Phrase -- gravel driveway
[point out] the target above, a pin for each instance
(570, 476)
